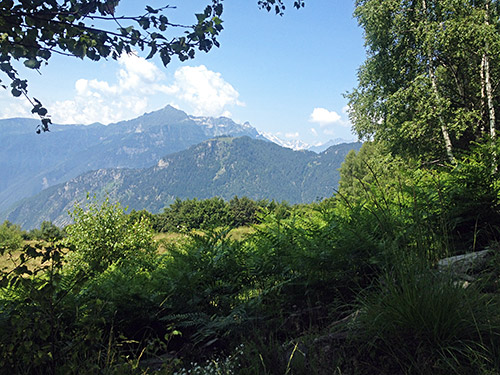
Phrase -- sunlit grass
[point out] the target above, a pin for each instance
(171, 238)
(240, 233)
(11, 259)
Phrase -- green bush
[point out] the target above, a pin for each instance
(11, 238)
(102, 235)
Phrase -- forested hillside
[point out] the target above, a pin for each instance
(31, 162)
(222, 167)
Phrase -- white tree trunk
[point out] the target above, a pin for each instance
(487, 81)
(432, 76)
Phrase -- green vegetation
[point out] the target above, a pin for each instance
(215, 212)
(354, 284)
(348, 284)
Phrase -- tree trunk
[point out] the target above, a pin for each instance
(483, 95)
(432, 76)
(487, 81)
(489, 92)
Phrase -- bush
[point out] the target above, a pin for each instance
(102, 235)
(11, 238)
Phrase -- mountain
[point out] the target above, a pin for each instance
(30, 162)
(294, 144)
(297, 144)
(332, 142)
(224, 167)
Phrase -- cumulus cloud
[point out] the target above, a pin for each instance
(102, 101)
(324, 117)
(205, 91)
(138, 86)
(197, 89)
(330, 123)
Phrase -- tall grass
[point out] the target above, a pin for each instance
(425, 322)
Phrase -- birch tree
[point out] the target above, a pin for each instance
(428, 85)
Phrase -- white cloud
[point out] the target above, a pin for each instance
(292, 135)
(138, 86)
(324, 117)
(139, 82)
(13, 107)
(205, 91)
(331, 123)
(105, 102)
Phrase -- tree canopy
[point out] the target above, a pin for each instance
(31, 31)
(427, 87)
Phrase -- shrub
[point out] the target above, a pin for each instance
(102, 235)
(10, 237)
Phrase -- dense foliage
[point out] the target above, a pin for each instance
(427, 87)
(214, 212)
(349, 285)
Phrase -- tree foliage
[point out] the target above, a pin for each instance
(215, 212)
(102, 235)
(10, 237)
(48, 232)
(423, 88)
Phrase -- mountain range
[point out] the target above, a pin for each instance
(149, 161)
(30, 162)
(224, 167)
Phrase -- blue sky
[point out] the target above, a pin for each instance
(284, 75)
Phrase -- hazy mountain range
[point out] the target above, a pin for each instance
(148, 161)
(30, 162)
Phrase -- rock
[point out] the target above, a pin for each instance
(466, 265)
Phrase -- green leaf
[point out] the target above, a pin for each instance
(165, 57)
(151, 10)
(32, 64)
(16, 92)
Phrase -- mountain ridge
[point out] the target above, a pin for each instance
(30, 162)
(222, 166)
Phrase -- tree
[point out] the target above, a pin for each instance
(31, 31)
(48, 232)
(10, 237)
(426, 87)
(102, 235)
(243, 211)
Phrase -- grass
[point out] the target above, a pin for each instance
(170, 238)
(11, 259)
(424, 322)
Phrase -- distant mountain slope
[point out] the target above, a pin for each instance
(31, 162)
(332, 142)
(222, 167)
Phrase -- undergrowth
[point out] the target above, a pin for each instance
(344, 286)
